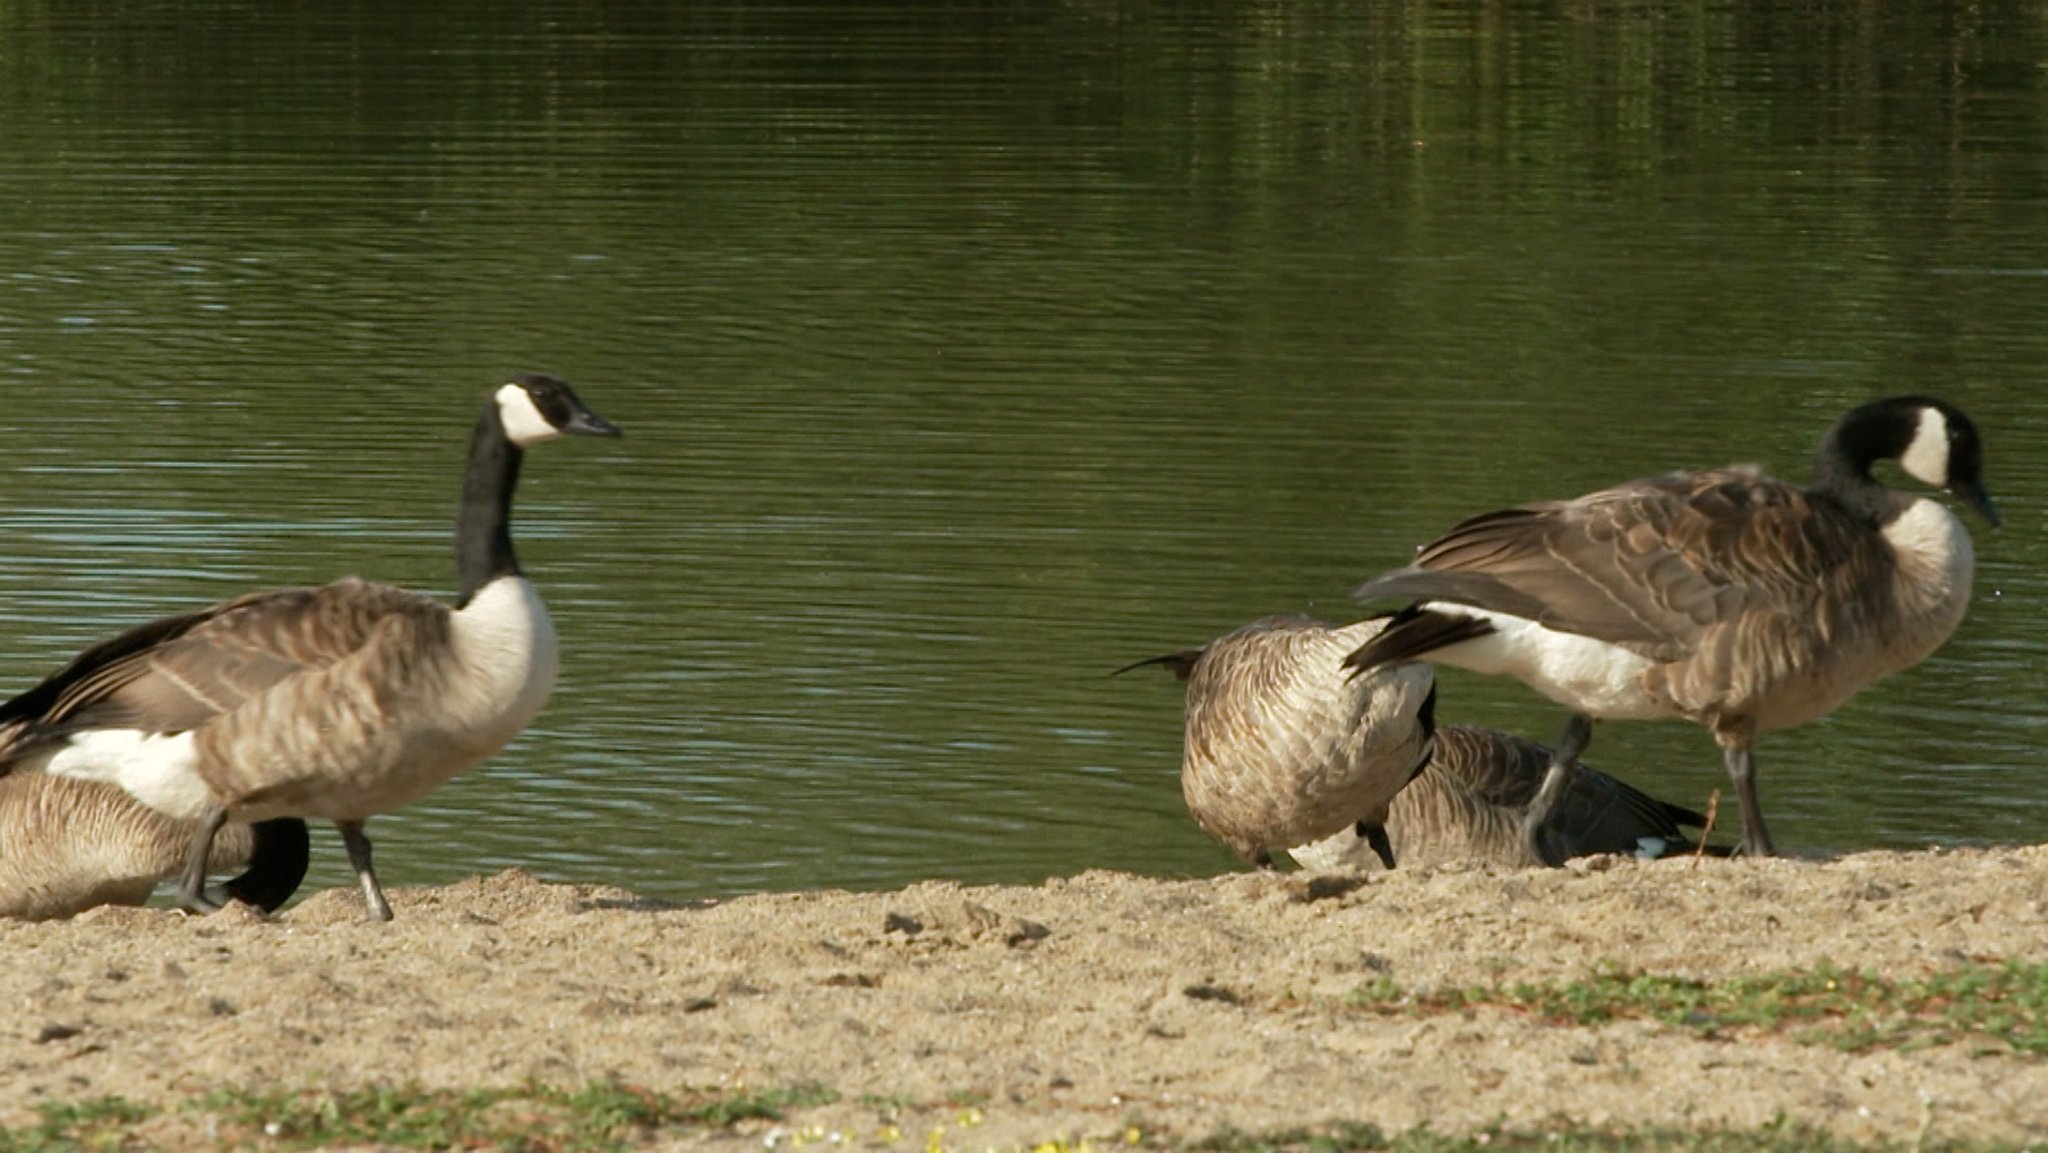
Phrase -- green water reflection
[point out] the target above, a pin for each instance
(967, 353)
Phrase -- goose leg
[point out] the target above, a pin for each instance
(1564, 761)
(358, 847)
(1756, 840)
(192, 895)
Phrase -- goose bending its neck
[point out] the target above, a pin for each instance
(338, 702)
(1280, 748)
(67, 845)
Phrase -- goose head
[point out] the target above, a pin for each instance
(1932, 441)
(534, 409)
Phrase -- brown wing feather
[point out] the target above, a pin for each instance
(1652, 565)
(177, 673)
(1472, 799)
(1489, 764)
(1281, 747)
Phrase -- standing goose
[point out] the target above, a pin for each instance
(339, 702)
(1281, 748)
(1481, 799)
(1725, 597)
(67, 845)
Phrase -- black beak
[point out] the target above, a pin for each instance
(1972, 493)
(584, 422)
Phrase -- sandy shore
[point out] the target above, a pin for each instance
(1078, 1008)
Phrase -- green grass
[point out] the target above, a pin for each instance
(98, 1123)
(1783, 1137)
(2004, 1003)
(612, 1116)
(601, 1116)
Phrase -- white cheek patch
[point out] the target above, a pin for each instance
(524, 425)
(1926, 459)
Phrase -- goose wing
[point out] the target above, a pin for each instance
(1650, 565)
(175, 674)
(1488, 765)
(1596, 814)
(1271, 674)
(1599, 814)
(1467, 802)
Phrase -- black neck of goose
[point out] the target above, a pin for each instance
(1842, 473)
(483, 530)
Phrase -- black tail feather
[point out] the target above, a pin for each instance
(1670, 822)
(1182, 663)
(1412, 634)
(276, 865)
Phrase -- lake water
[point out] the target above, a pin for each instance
(968, 352)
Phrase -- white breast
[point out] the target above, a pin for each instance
(1937, 560)
(505, 658)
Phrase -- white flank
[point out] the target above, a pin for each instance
(1926, 459)
(1580, 673)
(156, 769)
(505, 641)
(524, 425)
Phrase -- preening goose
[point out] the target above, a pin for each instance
(1282, 748)
(1724, 597)
(67, 845)
(1480, 799)
(338, 702)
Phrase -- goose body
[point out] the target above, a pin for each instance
(339, 702)
(69, 845)
(1282, 748)
(1478, 800)
(1725, 597)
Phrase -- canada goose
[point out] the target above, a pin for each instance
(339, 702)
(1480, 799)
(67, 845)
(1281, 748)
(1724, 597)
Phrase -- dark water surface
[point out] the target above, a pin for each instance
(968, 352)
